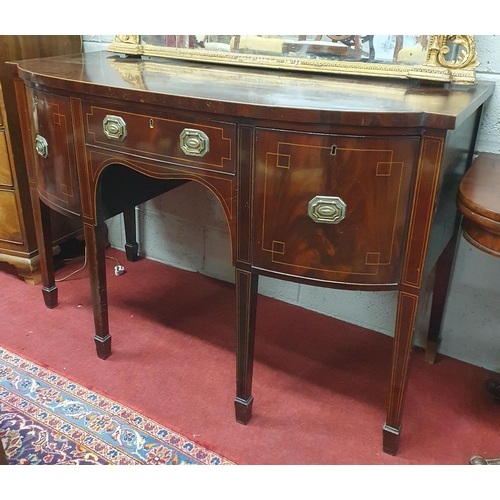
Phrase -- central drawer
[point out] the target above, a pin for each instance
(330, 207)
(203, 144)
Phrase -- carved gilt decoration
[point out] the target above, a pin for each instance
(447, 58)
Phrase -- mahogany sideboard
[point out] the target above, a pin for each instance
(331, 181)
(18, 245)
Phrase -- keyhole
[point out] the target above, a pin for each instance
(333, 151)
(151, 123)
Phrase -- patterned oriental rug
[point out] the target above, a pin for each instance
(46, 418)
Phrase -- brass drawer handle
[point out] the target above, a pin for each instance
(326, 209)
(194, 142)
(114, 127)
(41, 146)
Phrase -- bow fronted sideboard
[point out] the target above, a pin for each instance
(330, 181)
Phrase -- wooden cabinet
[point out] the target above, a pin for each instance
(332, 207)
(18, 244)
(344, 183)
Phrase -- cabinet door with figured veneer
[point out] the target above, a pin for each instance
(332, 207)
(56, 174)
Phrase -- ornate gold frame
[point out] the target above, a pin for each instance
(438, 66)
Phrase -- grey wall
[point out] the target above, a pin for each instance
(187, 229)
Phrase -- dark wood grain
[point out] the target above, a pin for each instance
(18, 245)
(372, 176)
(441, 279)
(263, 94)
(479, 202)
(58, 187)
(246, 306)
(393, 152)
(96, 239)
(158, 136)
(131, 245)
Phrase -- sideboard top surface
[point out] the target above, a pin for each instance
(259, 93)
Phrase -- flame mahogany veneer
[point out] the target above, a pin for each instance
(330, 181)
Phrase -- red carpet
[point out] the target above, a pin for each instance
(320, 385)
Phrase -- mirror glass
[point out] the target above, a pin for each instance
(401, 49)
(439, 58)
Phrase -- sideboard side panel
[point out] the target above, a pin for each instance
(57, 178)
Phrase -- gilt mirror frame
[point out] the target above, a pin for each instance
(447, 58)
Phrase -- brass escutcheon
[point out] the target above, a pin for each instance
(327, 209)
(41, 146)
(194, 142)
(114, 127)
